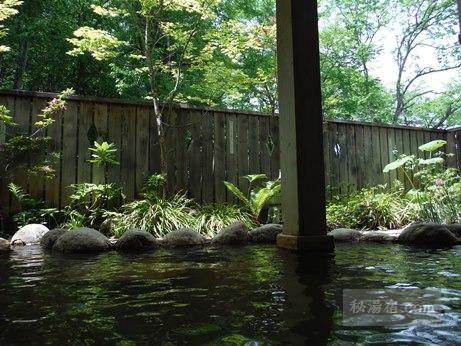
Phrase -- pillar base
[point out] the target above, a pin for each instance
(323, 243)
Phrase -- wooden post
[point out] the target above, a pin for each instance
(301, 128)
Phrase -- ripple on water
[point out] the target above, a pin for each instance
(256, 295)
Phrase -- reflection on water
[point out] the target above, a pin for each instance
(256, 295)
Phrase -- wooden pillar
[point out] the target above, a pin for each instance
(301, 128)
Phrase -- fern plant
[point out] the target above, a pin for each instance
(260, 192)
(31, 210)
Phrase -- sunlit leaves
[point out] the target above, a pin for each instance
(99, 43)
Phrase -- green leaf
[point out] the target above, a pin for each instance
(237, 193)
(432, 146)
(397, 164)
(254, 177)
(435, 160)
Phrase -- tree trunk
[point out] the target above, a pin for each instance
(21, 63)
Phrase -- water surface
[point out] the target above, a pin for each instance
(256, 295)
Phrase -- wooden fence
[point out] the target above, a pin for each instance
(205, 147)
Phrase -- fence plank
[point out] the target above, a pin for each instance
(182, 162)
(342, 151)
(253, 145)
(37, 182)
(392, 156)
(85, 139)
(333, 158)
(275, 156)
(8, 102)
(195, 155)
(219, 156)
(351, 158)
(53, 186)
(242, 147)
(69, 151)
(142, 147)
(207, 154)
(232, 154)
(114, 134)
(377, 170)
(100, 122)
(128, 153)
(384, 154)
(265, 145)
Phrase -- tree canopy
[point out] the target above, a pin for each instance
(223, 53)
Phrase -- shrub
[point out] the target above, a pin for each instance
(211, 218)
(260, 192)
(155, 212)
(90, 202)
(32, 210)
(370, 208)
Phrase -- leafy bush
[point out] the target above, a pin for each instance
(435, 195)
(32, 210)
(370, 208)
(211, 218)
(90, 202)
(260, 192)
(155, 212)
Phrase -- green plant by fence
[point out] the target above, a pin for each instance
(205, 147)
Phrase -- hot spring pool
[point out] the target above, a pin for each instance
(255, 295)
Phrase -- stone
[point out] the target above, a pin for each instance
(4, 245)
(378, 237)
(29, 234)
(182, 238)
(50, 238)
(455, 229)
(136, 240)
(427, 234)
(234, 234)
(345, 234)
(266, 234)
(82, 240)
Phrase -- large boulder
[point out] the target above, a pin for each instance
(136, 240)
(427, 234)
(345, 234)
(266, 234)
(182, 238)
(234, 234)
(4, 245)
(82, 240)
(455, 229)
(29, 234)
(50, 238)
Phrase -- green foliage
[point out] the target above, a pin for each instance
(8, 8)
(370, 208)
(90, 202)
(103, 154)
(31, 152)
(258, 196)
(436, 191)
(31, 210)
(209, 219)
